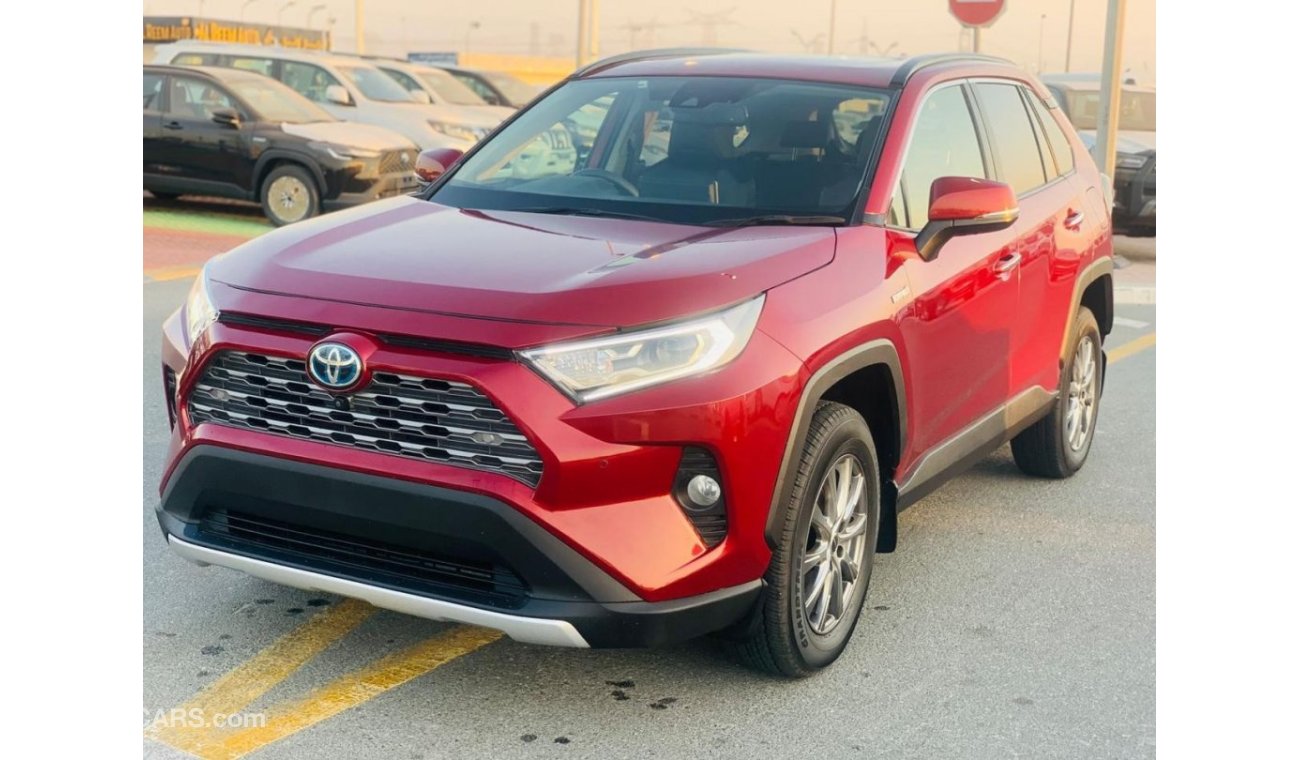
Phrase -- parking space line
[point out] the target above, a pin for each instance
(1135, 346)
(1136, 324)
(354, 689)
(242, 686)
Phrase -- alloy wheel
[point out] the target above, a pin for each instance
(290, 198)
(835, 546)
(1081, 403)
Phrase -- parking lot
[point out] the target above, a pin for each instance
(1016, 619)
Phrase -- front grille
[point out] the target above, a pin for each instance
(422, 418)
(369, 561)
(391, 162)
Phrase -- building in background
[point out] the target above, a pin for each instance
(159, 30)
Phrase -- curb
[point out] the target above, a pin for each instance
(1135, 295)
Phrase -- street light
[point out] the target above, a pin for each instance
(279, 17)
(468, 31)
(312, 13)
(244, 7)
(1042, 24)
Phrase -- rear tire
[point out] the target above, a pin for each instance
(816, 585)
(1058, 445)
(289, 195)
(164, 196)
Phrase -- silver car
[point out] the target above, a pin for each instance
(349, 88)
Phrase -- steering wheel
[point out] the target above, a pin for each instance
(620, 182)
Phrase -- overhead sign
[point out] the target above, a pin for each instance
(440, 57)
(162, 29)
(977, 12)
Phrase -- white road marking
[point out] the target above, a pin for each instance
(1133, 323)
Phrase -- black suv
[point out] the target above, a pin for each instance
(238, 134)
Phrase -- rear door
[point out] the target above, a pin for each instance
(153, 116)
(1024, 160)
(209, 155)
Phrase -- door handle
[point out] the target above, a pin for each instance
(1074, 220)
(172, 125)
(1006, 263)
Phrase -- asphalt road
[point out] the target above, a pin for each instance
(1017, 619)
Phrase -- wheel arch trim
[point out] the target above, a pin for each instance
(881, 351)
(264, 162)
(1102, 267)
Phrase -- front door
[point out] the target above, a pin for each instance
(208, 155)
(957, 329)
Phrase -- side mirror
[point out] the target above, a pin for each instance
(226, 117)
(965, 206)
(337, 93)
(435, 162)
(420, 96)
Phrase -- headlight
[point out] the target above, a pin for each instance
(343, 152)
(199, 311)
(459, 131)
(1130, 161)
(594, 369)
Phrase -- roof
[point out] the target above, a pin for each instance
(868, 71)
(265, 51)
(1087, 83)
(214, 72)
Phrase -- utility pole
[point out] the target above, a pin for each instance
(1069, 39)
(1108, 113)
(830, 32)
(976, 36)
(1042, 25)
(359, 21)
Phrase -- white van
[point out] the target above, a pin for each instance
(349, 88)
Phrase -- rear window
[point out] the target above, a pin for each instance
(1014, 141)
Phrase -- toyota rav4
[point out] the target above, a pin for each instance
(679, 382)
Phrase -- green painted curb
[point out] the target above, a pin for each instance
(206, 222)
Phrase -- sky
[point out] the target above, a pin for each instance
(548, 27)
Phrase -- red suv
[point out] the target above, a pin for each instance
(676, 377)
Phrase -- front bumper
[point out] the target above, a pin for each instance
(1135, 195)
(418, 549)
(356, 191)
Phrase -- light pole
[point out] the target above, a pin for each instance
(359, 19)
(1042, 26)
(830, 34)
(470, 30)
(279, 17)
(1069, 39)
(312, 13)
(244, 7)
(1108, 113)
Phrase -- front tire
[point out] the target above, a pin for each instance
(289, 195)
(817, 582)
(1058, 445)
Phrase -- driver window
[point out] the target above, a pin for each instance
(195, 99)
(944, 144)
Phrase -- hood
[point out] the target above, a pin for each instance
(1129, 140)
(584, 272)
(349, 133)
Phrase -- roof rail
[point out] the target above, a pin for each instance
(916, 63)
(650, 55)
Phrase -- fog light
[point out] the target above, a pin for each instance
(703, 490)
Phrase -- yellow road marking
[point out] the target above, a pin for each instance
(1135, 346)
(172, 273)
(351, 690)
(242, 686)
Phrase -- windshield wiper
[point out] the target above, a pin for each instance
(777, 219)
(570, 211)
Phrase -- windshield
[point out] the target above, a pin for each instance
(1137, 110)
(375, 84)
(275, 102)
(450, 89)
(693, 150)
(516, 90)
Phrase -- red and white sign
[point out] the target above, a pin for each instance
(977, 12)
